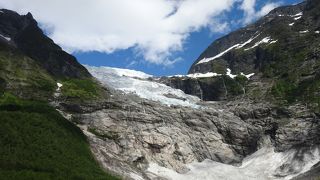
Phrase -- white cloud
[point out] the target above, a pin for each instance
(154, 28)
(248, 6)
(267, 8)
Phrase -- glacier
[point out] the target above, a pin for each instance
(136, 82)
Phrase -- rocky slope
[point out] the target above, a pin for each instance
(144, 139)
(280, 101)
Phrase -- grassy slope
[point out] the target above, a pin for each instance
(36, 141)
(23, 76)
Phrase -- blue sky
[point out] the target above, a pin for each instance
(159, 37)
(196, 43)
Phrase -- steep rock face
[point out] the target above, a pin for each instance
(208, 89)
(23, 33)
(293, 126)
(127, 133)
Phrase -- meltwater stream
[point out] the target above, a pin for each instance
(265, 164)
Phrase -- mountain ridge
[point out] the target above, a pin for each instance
(26, 36)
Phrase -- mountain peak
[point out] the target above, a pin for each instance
(281, 25)
(22, 33)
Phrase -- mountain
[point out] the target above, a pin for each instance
(36, 141)
(24, 35)
(32, 64)
(58, 117)
(281, 50)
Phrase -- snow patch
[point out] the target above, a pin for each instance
(57, 93)
(212, 74)
(303, 32)
(263, 41)
(59, 85)
(230, 74)
(113, 78)
(265, 164)
(299, 14)
(198, 75)
(297, 18)
(248, 76)
(317, 32)
(237, 46)
(5, 37)
(205, 60)
(291, 24)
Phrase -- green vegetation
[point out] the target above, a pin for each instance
(38, 143)
(23, 76)
(306, 91)
(219, 67)
(293, 71)
(81, 89)
(283, 89)
(235, 86)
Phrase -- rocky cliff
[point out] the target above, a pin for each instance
(137, 137)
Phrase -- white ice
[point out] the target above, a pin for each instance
(113, 78)
(127, 72)
(265, 164)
